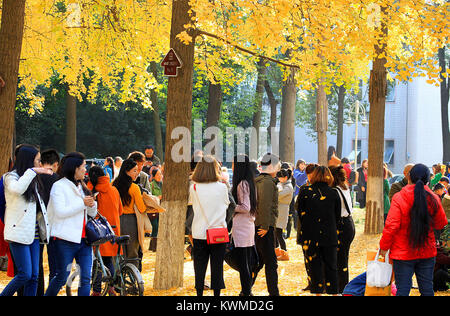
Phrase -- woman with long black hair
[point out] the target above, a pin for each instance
(71, 202)
(409, 233)
(244, 193)
(131, 196)
(346, 226)
(26, 223)
(333, 160)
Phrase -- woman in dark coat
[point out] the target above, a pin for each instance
(319, 207)
(362, 184)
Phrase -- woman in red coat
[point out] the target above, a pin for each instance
(110, 206)
(409, 233)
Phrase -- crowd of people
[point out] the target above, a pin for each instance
(48, 200)
(272, 196)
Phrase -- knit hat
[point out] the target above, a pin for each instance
(270, 163)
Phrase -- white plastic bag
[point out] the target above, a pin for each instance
(379, 273)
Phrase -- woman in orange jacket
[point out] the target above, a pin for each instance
(109, 206)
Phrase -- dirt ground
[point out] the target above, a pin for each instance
(292, 274)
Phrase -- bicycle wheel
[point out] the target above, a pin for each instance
(133, 284)
(73, 281)
(103, 282)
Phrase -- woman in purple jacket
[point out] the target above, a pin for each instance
(244, 193)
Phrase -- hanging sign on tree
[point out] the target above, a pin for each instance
(171, 63)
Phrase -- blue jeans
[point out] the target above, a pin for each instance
(26, 259)
(404, 271)
(52, 256)
(67, 252)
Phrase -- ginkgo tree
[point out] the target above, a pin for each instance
(86, 43)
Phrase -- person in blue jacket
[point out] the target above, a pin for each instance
(300, 176)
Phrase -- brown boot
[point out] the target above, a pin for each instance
(283, 256)
(278, 252)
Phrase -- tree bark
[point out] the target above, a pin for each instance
(261, 68)
(445, 89)
(273, 108)
(214, 104)
(340, 121)
(287, 121)
(11, 35)
(322, 124)
(71, 123)
(156, 118)
(377, 97)
(170, 249)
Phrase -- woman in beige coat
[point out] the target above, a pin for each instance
(285, 193)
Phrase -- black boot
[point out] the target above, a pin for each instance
(153, 244)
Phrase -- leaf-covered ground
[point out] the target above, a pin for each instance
(292, 274)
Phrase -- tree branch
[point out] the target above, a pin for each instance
(200, 32)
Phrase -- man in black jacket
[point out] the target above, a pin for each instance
(398, 186)
(50, 160)
(266, 219)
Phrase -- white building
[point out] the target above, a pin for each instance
(412, 129)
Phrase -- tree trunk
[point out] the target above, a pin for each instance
(445, 89)
(287, 121)
(340, 121)
(273, 108)
(261, 68)
(377, 97)
(71, 123)
(170, 249)
(214, 104)
(156, 118)
(11, 35)
(322, 125)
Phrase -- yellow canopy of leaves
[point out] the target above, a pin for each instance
(333, 40)
(87, 42)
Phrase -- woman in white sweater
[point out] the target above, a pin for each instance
(209, 199)
(70, 204)
(347, 226)
(26, 224)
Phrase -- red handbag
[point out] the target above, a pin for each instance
(214, 235)
(217, 236)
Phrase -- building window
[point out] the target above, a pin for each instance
(389, 152)
(390, 95)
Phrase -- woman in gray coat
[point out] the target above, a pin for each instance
(285, 193)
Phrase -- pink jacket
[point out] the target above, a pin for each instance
(243, 231)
